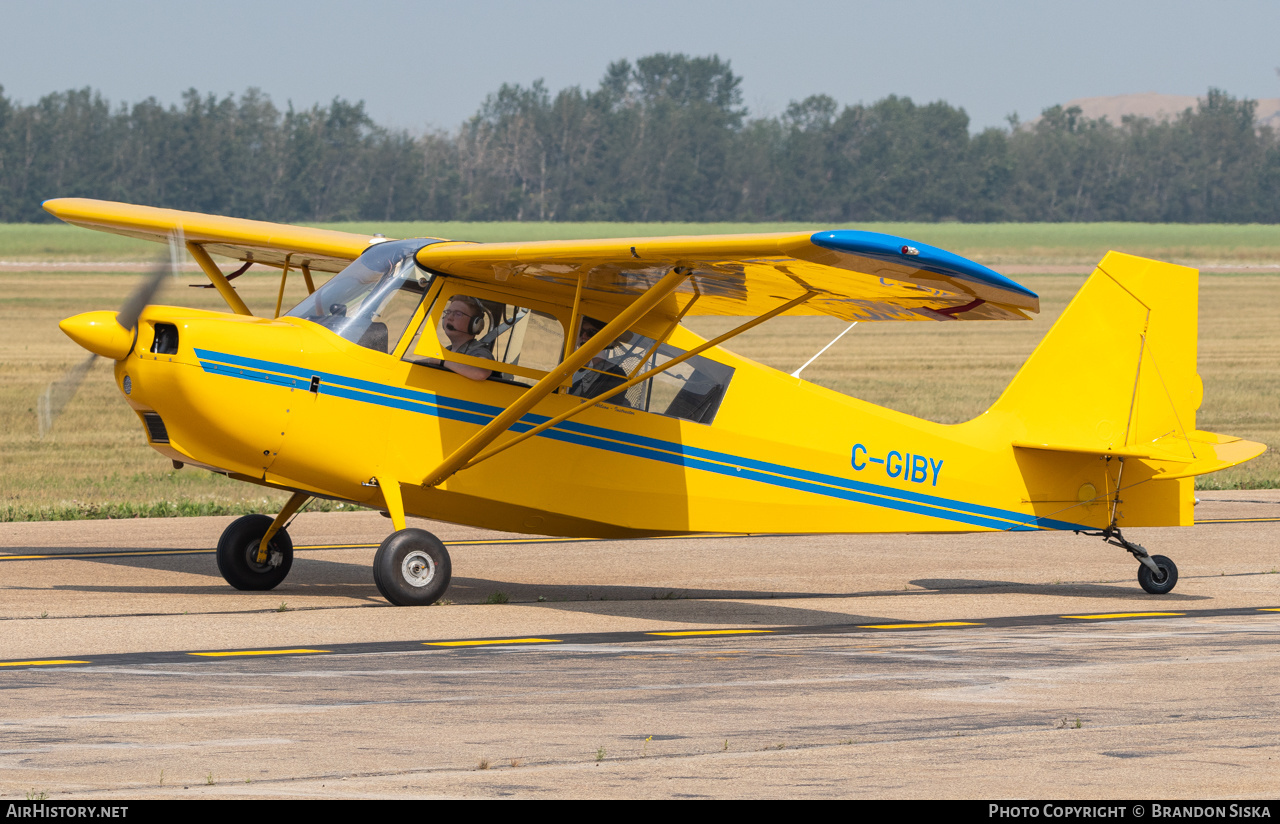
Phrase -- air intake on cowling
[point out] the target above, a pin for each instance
(156, 433)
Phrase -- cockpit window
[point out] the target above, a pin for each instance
(372, 300)
(692, 389)
(470, 322)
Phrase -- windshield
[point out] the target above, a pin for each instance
(371, 301)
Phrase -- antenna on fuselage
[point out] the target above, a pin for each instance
(796, 373)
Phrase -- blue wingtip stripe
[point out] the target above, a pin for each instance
(929, 258)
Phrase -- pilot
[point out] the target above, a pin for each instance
(600, 374)
(461, 321)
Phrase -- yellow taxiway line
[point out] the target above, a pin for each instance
(256, 652)
(921, 626)
(115, 554)
(616, 637)
(1106, 615)
(490, 643)
(711, 632)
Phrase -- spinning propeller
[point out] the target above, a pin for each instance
(105, 334)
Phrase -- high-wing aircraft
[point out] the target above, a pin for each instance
(550, 388)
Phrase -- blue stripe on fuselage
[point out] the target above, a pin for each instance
(625, 443)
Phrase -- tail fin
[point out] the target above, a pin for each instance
(1116, 378)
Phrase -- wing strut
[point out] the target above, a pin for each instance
(574, 320)
(284, 275)
(553, 379)
(604, 396)
(219, 280)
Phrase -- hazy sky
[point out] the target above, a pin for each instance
(422, 64)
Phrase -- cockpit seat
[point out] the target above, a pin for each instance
(375, 337)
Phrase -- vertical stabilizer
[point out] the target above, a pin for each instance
(1103, 414)
(1118, 369)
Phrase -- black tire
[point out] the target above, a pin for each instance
(1148, 579)
(412, 568)
(238, 554)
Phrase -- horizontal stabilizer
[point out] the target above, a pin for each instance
(1176, 457)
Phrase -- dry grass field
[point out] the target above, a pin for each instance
(96, 462)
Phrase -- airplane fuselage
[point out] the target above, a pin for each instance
(288, 404)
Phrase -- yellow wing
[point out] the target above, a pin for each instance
(855, 275)
(321, 250)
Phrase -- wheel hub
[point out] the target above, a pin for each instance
(274, 558)
(418, 569)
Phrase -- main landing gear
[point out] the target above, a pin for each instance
(238, 557)
(1156, 573)
(411, 567)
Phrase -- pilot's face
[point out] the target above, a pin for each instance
(586, 332)
(457, 317)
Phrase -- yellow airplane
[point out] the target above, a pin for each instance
(550, 388)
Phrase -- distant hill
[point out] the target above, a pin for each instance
(1159, 107)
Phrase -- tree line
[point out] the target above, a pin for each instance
(665, 138)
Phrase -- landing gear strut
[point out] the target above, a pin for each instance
(255, 552)
(1156, 573)
(412, 567)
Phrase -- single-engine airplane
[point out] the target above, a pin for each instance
(549, 387)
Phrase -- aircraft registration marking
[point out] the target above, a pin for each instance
(256, 652)
(489, 643)
(48, 663)
(711, 632)
(905, 465)
(1105, 615)
(922, 626)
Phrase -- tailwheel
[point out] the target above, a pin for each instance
(412, 568)
(1159, 581)
(1156, 573)
(238, 554)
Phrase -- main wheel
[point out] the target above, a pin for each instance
(1158, 584)
(238, 554)
(412, 568)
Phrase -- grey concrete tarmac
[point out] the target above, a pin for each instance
(1183, 706)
